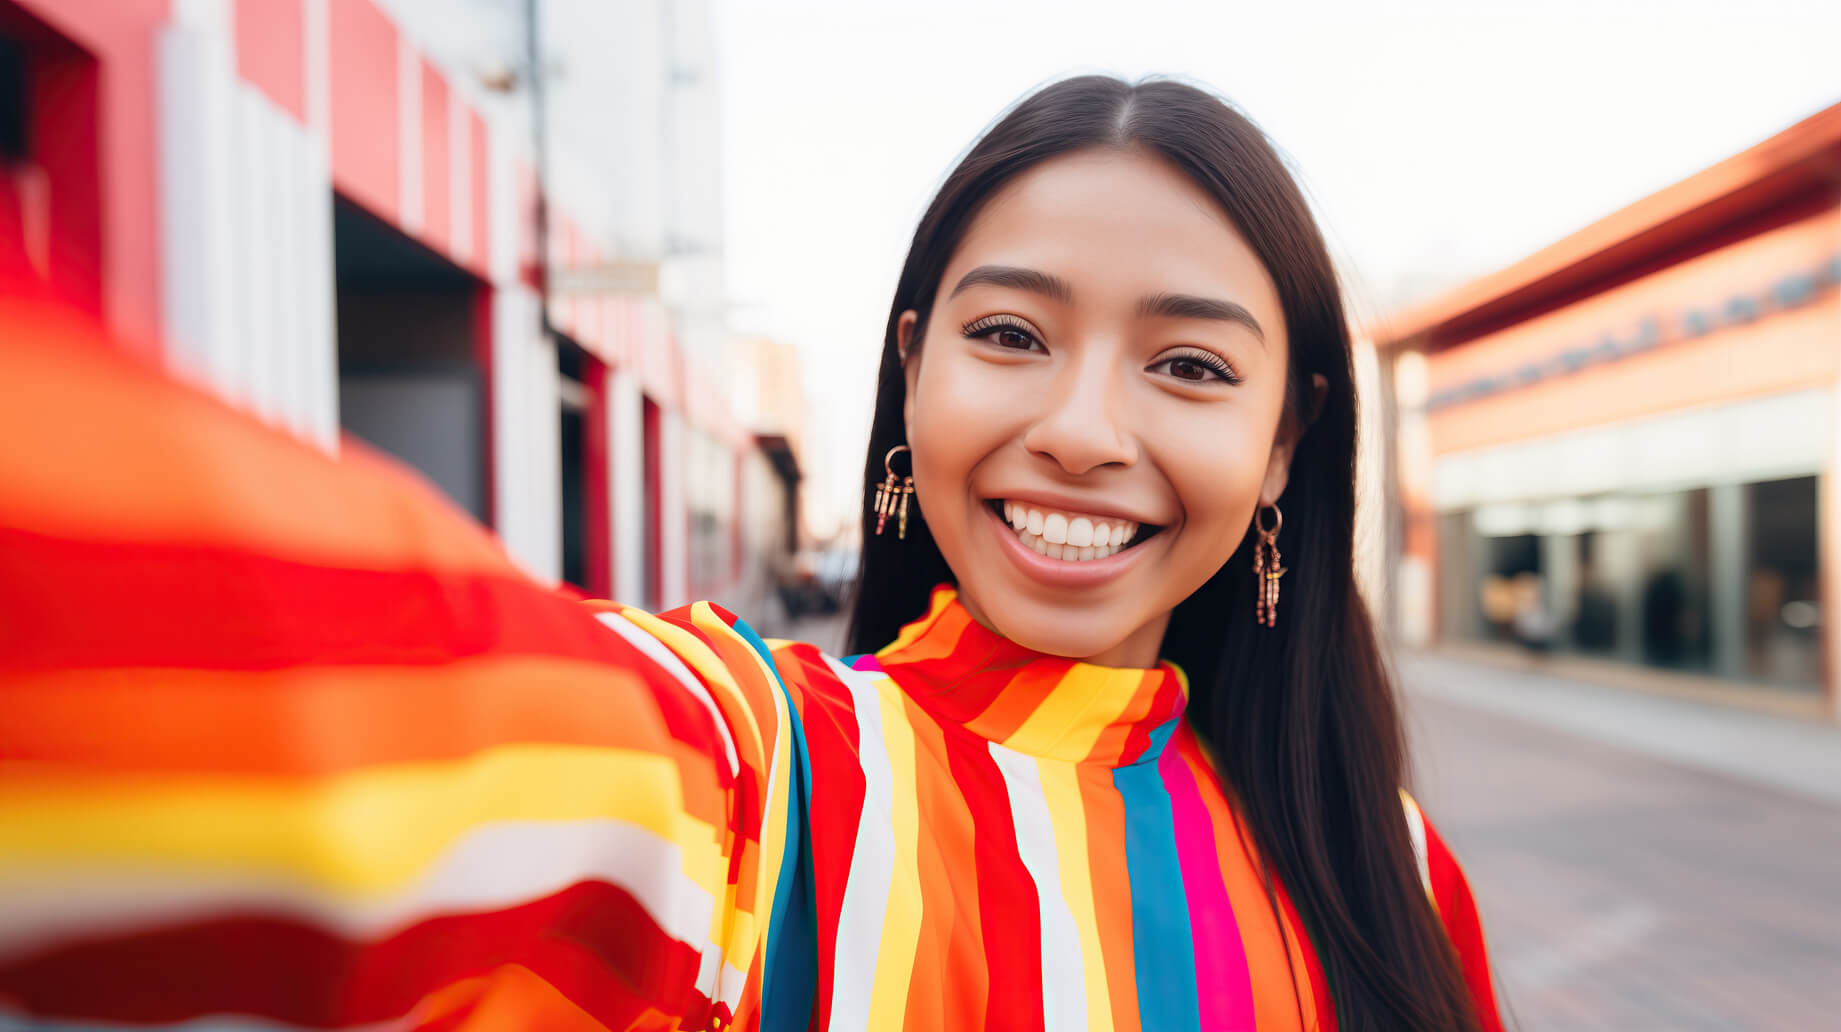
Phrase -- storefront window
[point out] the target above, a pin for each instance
(1783, 617)
(1717, 580)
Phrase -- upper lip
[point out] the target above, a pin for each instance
(1074, 504)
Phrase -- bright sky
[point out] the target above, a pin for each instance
(1438, 139)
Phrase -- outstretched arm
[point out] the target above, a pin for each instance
(290, 739)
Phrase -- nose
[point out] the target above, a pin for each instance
(1081, 424)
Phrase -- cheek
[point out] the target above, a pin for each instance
(958, 418)
(1217, 468)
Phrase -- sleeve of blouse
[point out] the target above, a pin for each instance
(289, 742)
(1450, 893)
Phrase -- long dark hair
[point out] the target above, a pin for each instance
(1302, 716)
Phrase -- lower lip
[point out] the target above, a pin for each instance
(1061, 573)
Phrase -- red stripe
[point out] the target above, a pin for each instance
(72, 604)
(482, 185)
(366, 136)
(592, 941)
(270, 52)
(1008, 912)
(831, 737)
(1457, 907)
(1319, 986)
(436, 166)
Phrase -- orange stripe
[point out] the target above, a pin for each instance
(314, 721)
(514, 996)
(151, 461)
(1019, 700)
(1111, 891)
(947, 909)
(935, 635)
(1111, 741)
(1281, 985)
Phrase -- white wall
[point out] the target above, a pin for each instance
(246, 210)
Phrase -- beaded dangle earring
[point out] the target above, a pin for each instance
(1266, 570)
(893, 493)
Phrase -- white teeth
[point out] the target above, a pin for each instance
(1070, 538)
(1055, 528)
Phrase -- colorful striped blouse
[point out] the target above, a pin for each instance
(289, 743)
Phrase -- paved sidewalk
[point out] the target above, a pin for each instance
(1776, 752)
(1641, 863)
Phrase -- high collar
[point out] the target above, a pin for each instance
(1046, 706)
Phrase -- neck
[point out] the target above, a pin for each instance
(1137, 651)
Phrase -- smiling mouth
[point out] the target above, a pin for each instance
(1070, 536)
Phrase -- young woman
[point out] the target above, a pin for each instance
(1119, 752)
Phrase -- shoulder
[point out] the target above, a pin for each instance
(1450, 893)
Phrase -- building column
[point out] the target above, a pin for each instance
(1560, 577)
(674, 514)
(526, 446)
(246, 234)
(626, 484)
(1727, 534)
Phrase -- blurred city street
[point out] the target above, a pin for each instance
(1682, 877)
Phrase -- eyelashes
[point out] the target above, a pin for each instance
(1190, 358)
(995, 326)
(1188, 364)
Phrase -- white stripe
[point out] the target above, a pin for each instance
(872, 863)
(1415, 827)
(488, 868)
(659, 653)
(252, 241)
(409, 134)
(1064, 973)
(316, 56)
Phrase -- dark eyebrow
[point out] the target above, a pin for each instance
(1167, 306)
(1187, 306)
(1022, 279)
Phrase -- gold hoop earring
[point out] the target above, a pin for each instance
(893, 493)
(1266, 568)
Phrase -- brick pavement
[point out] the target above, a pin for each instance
(1624, 891)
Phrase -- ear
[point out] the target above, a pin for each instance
(1278, 467)
(907, 349)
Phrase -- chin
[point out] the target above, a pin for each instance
(1078, 634)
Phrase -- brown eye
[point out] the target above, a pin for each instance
(1196, 366)
(1189, 369)
(1003, 331)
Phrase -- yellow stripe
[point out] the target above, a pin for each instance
(748, 905)
(915, 631)
(1076, 712)
(752, 913)
(901, 924)
(364, 834)
(1061, 790)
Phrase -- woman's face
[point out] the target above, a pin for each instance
(1104, 366)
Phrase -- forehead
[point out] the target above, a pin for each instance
(1116, 224)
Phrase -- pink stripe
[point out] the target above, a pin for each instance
(1224, 989)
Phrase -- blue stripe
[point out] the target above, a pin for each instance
(791, 976)
(1163, 951)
